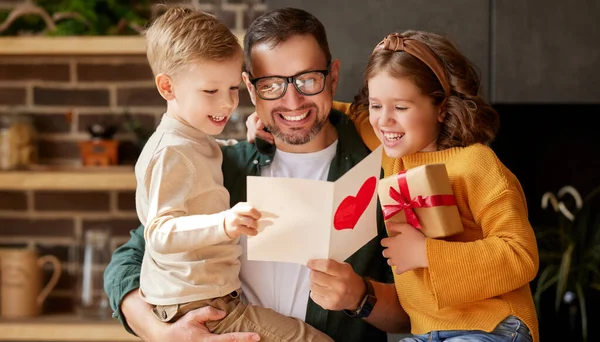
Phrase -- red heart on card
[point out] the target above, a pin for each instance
(352, 207)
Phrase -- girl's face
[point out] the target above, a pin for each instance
(404, 119)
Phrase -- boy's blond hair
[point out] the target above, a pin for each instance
(184, 35)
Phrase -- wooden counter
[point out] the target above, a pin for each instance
(63, 328)
(78, 45)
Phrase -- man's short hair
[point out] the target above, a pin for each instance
(280, 25)
(184, 35)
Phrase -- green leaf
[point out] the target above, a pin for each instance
(546, 279)
(583, 311)
(563, 276)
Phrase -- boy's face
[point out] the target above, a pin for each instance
(205, 93)
(294, 119)
(403, 118)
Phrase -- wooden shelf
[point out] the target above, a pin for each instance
(77, 45)
(63, 328)
(73, 178)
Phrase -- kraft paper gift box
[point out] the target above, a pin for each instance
(423, 197)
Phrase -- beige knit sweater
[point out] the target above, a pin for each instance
(180, 199)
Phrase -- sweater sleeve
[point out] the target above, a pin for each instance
(122, 275)
(505, 259)
(171, 180)
(362, 124)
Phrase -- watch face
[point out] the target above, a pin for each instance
(369, 305)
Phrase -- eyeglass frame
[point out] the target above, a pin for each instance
(291, 79)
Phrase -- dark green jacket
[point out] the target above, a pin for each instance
(244, 159)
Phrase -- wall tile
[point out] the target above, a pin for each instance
(114, 72)
(71, 201)
(36, 227)
(49, 150)
(13, 200)
(126, 201)
(12, 96)
(45, 72)
(139, 97)
(51, 123)
(70, 97)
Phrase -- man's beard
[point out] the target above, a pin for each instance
(301, 136)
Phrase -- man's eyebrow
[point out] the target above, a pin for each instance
(297, 73)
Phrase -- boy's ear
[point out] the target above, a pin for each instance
(335, 73)
(249, 86)
(164, 85)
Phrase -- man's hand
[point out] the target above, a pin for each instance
(241, 219)
(191, 328)
(406, 249)
(256, 129)
(334, 285)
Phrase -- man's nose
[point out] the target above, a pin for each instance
(292, 98)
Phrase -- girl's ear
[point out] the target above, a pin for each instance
(441, 113)
(164, 85)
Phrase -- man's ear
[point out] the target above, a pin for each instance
(335, 73)
(164, 84)
(249, 86)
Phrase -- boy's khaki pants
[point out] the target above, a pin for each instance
(241, 317)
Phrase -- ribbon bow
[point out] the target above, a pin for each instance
(406, 204)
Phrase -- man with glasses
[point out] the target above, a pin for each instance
(291, 78)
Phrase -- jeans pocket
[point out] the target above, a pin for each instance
(513, 329)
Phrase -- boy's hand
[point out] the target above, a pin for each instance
(241, 219)
(256, 129)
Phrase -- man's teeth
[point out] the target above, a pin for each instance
(393, 136)
(295, 118)
(217, 118)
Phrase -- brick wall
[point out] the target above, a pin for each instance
(55, 221)
(64, 95)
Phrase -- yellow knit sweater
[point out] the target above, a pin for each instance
(479, 277)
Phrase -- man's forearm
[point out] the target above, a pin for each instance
(388, 315)
(139, 316)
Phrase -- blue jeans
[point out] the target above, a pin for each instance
(511, 329)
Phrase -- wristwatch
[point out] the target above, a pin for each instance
(366, 304)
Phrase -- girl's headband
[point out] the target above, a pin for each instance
(395, 42)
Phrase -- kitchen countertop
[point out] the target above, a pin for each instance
(63, 328)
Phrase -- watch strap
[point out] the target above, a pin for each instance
(366, 304)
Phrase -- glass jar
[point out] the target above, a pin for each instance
(92, 256)
(18, 146)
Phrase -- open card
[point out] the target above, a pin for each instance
(305, 219)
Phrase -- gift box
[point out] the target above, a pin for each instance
(423, 198)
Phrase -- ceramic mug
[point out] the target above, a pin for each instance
(22, 293)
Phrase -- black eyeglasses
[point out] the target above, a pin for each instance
(307, 83)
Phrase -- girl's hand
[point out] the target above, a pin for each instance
(256, 129)
(406, 249)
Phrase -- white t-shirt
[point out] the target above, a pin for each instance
(281, 286)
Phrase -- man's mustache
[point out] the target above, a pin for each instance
(282, 109)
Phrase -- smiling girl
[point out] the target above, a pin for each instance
(420, 100)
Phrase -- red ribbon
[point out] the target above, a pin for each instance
(404, 202)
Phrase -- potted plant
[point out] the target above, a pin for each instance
(570, 264)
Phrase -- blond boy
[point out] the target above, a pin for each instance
(192, 254)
